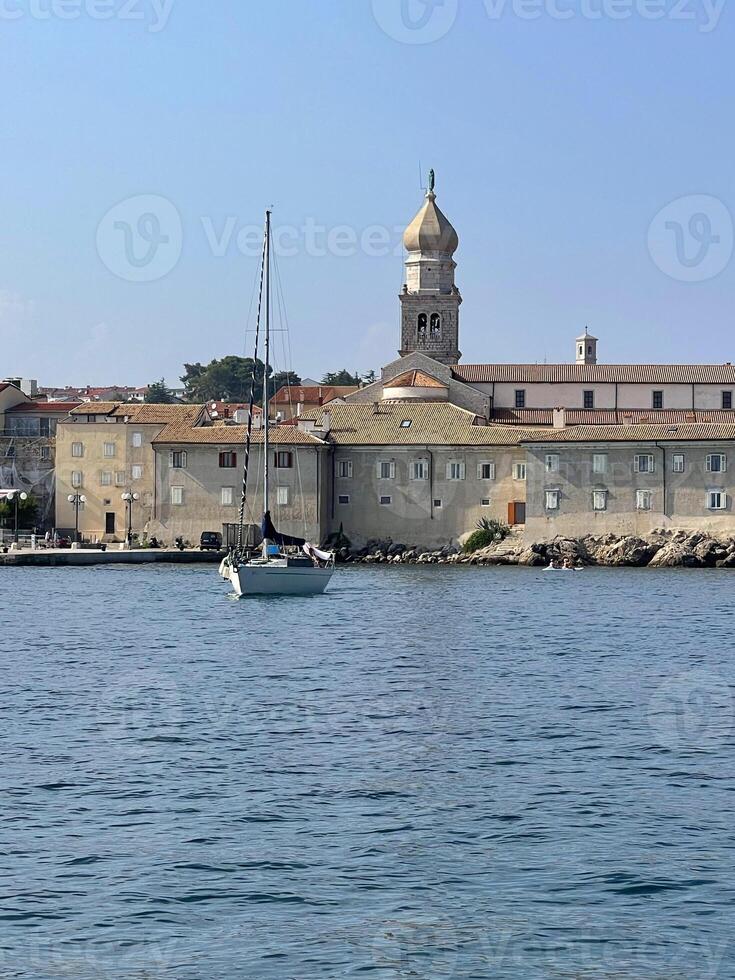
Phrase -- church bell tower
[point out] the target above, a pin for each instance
(430, 299)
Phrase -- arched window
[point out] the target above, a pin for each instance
(436, 323)
(422, 323)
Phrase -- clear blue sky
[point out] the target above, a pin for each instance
(555, 143)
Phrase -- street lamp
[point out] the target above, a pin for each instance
(77, 499)
(17, 498)
(129, 497)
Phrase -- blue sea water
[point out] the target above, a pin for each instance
(431, 773)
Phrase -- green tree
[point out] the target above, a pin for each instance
(27, 510)
(227, 380)
(284, 378)
(342, 377)
(369, 377)
(159, 393)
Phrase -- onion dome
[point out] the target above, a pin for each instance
(430, 230)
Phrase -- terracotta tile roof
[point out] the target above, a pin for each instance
(432, 423)
(610, 373)
(698, 432)
(582, 416)
(227, 435)
(316, 395)
(159, 414)
(414, 379)
(34, 408)
(96, 408)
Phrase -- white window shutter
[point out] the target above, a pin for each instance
(449, 471)
(462, 471)
(171, 457)
(479, 471)
(724, 462)
(392, 471)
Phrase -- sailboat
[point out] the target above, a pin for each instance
(286, 565)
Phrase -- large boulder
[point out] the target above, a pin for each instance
(627, 551)
(675, 555)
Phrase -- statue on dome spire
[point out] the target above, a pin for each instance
(432, 181)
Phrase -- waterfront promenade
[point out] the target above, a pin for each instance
(94, 556)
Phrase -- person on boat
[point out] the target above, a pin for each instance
(568, 563)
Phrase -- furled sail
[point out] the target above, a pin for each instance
(284, 540)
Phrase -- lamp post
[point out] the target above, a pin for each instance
(16, 498)
(77, 499)
(129, 497)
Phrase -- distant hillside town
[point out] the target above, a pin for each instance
(420, 455)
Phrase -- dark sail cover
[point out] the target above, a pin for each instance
(284, 540)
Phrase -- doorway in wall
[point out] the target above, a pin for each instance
(516, 512)
(109, 523)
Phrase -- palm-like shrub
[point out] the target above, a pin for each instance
(488, 531)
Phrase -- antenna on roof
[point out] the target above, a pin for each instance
(421, 178)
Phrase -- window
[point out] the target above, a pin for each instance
(455, 470)
(177, 460)
(658, 399)
(436, 324)
(643, 464)
(344, 469)
(643, 500)
(45, 453)
(420, 469)
(386, 470)
(227, 461)
(77, 479)
(677, 463)
(282, 497)
(588, 399)
(137, 472)
(177, 496)
(77, 450)
(421, 323)
(437, 505)
(552, 499)
(485, 502)
(120, 479)
(385, 501)
(519, 471)
(599, 462)
(716, 463)
(108, 450)
(137, 440)
(284, 461)
(581, 350)
(227, 496)
(344, 498)
(406, 424)
(486, 470)
(105, 479)
(599, 500)
(552, 462)
(727, 400)
(520, 397)
(44, 428)
(716, 500)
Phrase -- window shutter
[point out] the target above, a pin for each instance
(392, 471)
(479, 471)
(171, 457)
(723, 460)
(449, 471)
(651, 464)
(462, 471)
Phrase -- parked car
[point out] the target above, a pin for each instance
(210, 541)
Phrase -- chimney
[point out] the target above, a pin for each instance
(376, 408)
(327, 422)
(560, 418)
(627, 419)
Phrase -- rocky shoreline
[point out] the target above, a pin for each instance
(660, 549)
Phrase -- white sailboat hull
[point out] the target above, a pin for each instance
(276, 578)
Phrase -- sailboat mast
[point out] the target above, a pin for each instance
(266, 420)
